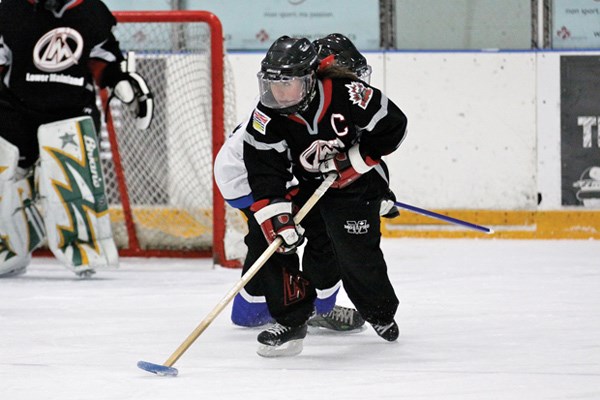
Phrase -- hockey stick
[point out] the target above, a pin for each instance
(167, 369)
(444, 217)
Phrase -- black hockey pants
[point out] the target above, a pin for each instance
(351, 218)
(289, 294)
(19, 126)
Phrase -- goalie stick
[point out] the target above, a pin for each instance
(167, 369)
(444, 217)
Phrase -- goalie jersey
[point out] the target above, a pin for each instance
(50, 65)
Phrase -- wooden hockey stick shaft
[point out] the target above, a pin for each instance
(319, 192)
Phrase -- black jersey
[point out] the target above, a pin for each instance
(45, 59)
(342, 113)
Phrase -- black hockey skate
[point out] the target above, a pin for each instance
(389, 332)
(341, 319)
(281, 341)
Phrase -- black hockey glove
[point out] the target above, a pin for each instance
(348, 166)
(134, 92)
(388, 209)
(275, 220)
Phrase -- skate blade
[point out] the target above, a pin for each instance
(14, 272)
(326, 330)
(289, 349)
(85, 274)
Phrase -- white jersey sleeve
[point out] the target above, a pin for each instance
(230, 171)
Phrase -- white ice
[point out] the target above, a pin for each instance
(479, 319)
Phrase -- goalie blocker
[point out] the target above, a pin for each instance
(73, 196)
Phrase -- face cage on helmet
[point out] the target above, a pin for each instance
(364, 74)
(268, 99)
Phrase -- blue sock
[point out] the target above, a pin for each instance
(326, 304)
(245, 313)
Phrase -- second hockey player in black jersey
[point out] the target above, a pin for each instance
(309, 124)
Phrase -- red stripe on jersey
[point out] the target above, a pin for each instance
(295, 119)
(75, 4)
(327, 85)
(78, 2)
(326, 97)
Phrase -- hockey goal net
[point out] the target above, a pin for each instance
(160, 187)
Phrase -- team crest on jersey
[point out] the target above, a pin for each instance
(357, 227)
(58, 49)
(360, 94)
(320, 150)
(260, 121)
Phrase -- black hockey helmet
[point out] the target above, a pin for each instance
(289, 63)
(345, 54)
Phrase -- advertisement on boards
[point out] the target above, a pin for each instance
(580, 140)
(254, 25)
(575, 24)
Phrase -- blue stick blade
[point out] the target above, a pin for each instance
(157, 369)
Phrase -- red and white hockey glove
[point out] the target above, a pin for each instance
(348, 166)
(275, 219)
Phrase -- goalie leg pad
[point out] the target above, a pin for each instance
(21, 227)
(73, 196)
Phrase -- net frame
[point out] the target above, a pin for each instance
(217, 65)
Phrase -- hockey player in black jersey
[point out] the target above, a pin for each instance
(53, 53)
(310, 123)
(318, 262)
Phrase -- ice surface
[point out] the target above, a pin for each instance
(479, 319)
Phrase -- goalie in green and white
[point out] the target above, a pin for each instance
(72, 196)
(53, 57)
(74, 208)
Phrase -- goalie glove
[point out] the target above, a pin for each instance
(348, 166)
(275, 220)
(134, 92)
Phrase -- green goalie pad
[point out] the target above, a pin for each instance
(21, 226)
(73, 196)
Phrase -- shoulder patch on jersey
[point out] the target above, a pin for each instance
(360, 94)
(260, 121)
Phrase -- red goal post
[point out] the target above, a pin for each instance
(162, 196)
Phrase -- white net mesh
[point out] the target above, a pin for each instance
(168, 168)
